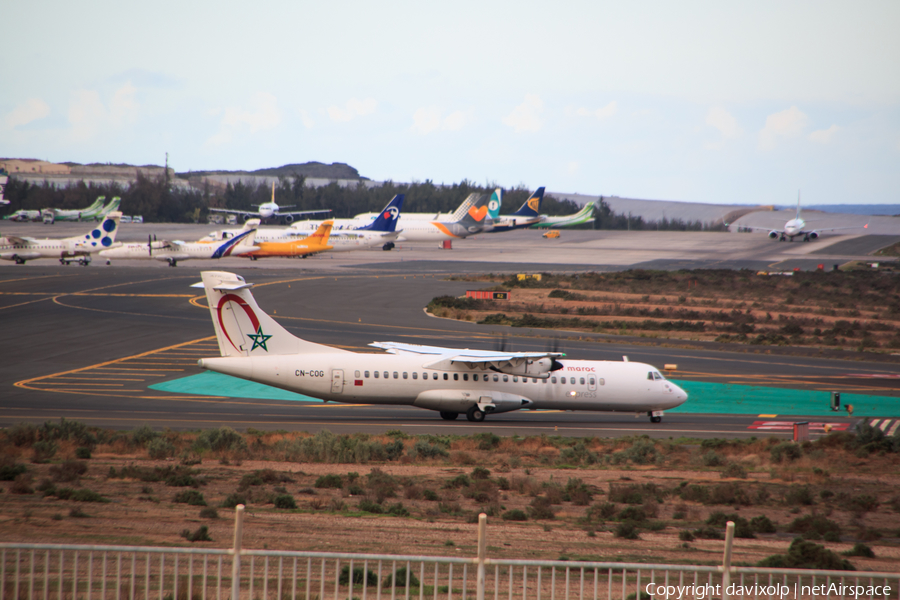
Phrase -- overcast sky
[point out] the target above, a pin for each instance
(726, 102)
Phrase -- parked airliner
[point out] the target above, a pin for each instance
(585, 215)
(270, 210)
(528, 214)
(380, 232)
(475, 383)
(470, 218)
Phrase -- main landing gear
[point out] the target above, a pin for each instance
(655, 416)
(388, 246)
(474, 414)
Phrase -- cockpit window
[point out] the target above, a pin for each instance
(654, 375)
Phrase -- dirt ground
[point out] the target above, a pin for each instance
(330, 520)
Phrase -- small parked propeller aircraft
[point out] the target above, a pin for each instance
(174, 251)
(451, 381)
(73, 249)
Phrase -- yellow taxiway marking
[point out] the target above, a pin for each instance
(767, 416)
(114, 366)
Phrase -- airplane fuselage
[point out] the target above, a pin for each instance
(402, 379)
(794, 227)
(47, 248)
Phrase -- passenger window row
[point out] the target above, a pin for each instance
(475, 377)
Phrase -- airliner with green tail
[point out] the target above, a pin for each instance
(585, 215)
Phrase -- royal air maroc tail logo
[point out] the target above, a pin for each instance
(259, 338)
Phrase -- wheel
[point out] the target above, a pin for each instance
(654, 419)
(108, 263)
(173, 263)
(475, 415)
(388, 246)
(449, 416)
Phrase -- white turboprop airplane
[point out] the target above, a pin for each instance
(67, 250)
(85, 214)
(796, 227)
(172, 252)
(270, 210)
(25, 215)
(472, 382)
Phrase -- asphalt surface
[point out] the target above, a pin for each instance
(86, 342)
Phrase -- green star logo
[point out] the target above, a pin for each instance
(259, 339)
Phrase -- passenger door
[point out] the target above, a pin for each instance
(337, 381)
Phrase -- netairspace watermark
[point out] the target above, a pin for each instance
(699, 592)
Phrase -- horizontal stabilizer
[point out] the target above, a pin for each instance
(229, 286)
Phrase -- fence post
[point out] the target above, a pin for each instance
(236, 560)
(726, 560)
(482, 550)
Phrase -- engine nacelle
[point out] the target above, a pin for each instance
(539, 369)
(460, 401)
(774, 234)
(247, 218)
(813, 235)
(289, 218)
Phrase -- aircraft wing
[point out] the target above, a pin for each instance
(528, 364)
(235, 212)
(300, 213)
(19, 240)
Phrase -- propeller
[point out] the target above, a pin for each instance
(553, 345)
(501, 344)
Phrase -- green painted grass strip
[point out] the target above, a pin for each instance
(217, 384)
(727, 398)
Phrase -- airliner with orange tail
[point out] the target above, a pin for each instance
(470, 218)
(314, 243)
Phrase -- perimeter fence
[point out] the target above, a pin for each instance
(80, 572)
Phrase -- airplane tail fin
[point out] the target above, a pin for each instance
(103, 235)
(242, 328)
(495, 203)
(113, 205)
(241, 243)
(95, 207)
(322, 233)
(476, 217)
(387, 219)
(463, 208)
(798, 204)
(532, 206)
